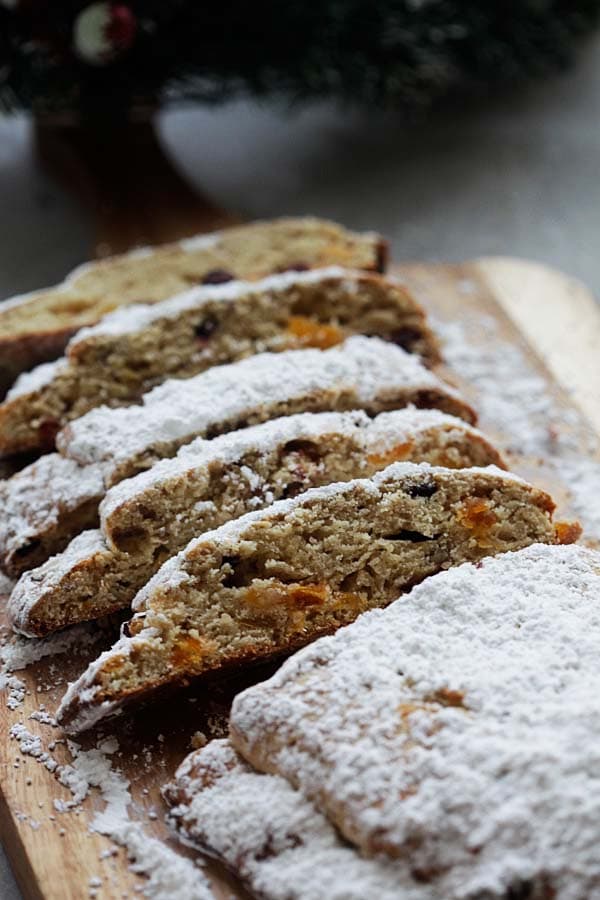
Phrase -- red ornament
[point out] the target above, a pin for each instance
(122, 27)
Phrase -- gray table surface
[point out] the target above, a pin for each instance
(516, 176)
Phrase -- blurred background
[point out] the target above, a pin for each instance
(478, 133)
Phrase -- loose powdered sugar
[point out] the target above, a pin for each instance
(514, 399)
(476, 701)
(167, 874)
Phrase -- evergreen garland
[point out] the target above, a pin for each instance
(394, 53)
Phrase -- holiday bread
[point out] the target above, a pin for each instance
(149, 518)
(271, 836)
(36, 327)
(43, 506)
(361, 373)
(466, 743)
(278, 578)
(137, 347)
(452, 736)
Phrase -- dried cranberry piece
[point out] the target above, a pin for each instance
(206, 328)
(294, 267)
(422, 489)
(47, 431)
(217, 276)
(405, 337)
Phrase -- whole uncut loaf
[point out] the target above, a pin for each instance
(362, 372)
(137, 347)
(275, 579)
(43, 511)
(272, 837)
(36, 327)
(149, 518)
(458, 730)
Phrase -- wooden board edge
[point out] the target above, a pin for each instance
(569, 342)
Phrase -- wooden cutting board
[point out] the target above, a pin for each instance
(556, 324)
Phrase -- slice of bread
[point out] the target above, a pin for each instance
(43, 506)
(272, 837)
(36, 327)
(478, 716)
(362, 373)
(149, 518)
(278, 578)
(137, 347)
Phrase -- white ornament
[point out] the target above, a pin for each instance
(90, 34)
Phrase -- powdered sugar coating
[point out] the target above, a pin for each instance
(271, 836)
(178, 410)
(40, 377)
(33, 585)
(36, 498)
(475, 700)
(133, 318)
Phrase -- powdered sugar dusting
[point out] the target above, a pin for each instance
(32, 586)
(272, 837)
(39, 377)
(515, 400)
(476, 701)
(40, 497)
(166, 873)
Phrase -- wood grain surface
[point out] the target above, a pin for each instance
(557, 325)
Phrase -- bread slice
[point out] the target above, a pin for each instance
(36, 327)
(272, 837)
(362, 373)
(457, 730)
(149, 518)
(43, 506)
(278, 578)
(137, 347)
(460, 726)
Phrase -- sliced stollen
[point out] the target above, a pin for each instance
(137, 347)
(149, 518)
(35, 327)
(275, 579)
(272, 837)
(42, 507)
(361, 373)
(458, 730)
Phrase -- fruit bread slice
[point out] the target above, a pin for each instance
(35, 327)
(275, 579)
(151, 517)
(362, 373)
(458, 730)
(136, 348)
(272, 837)
(42, 507)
